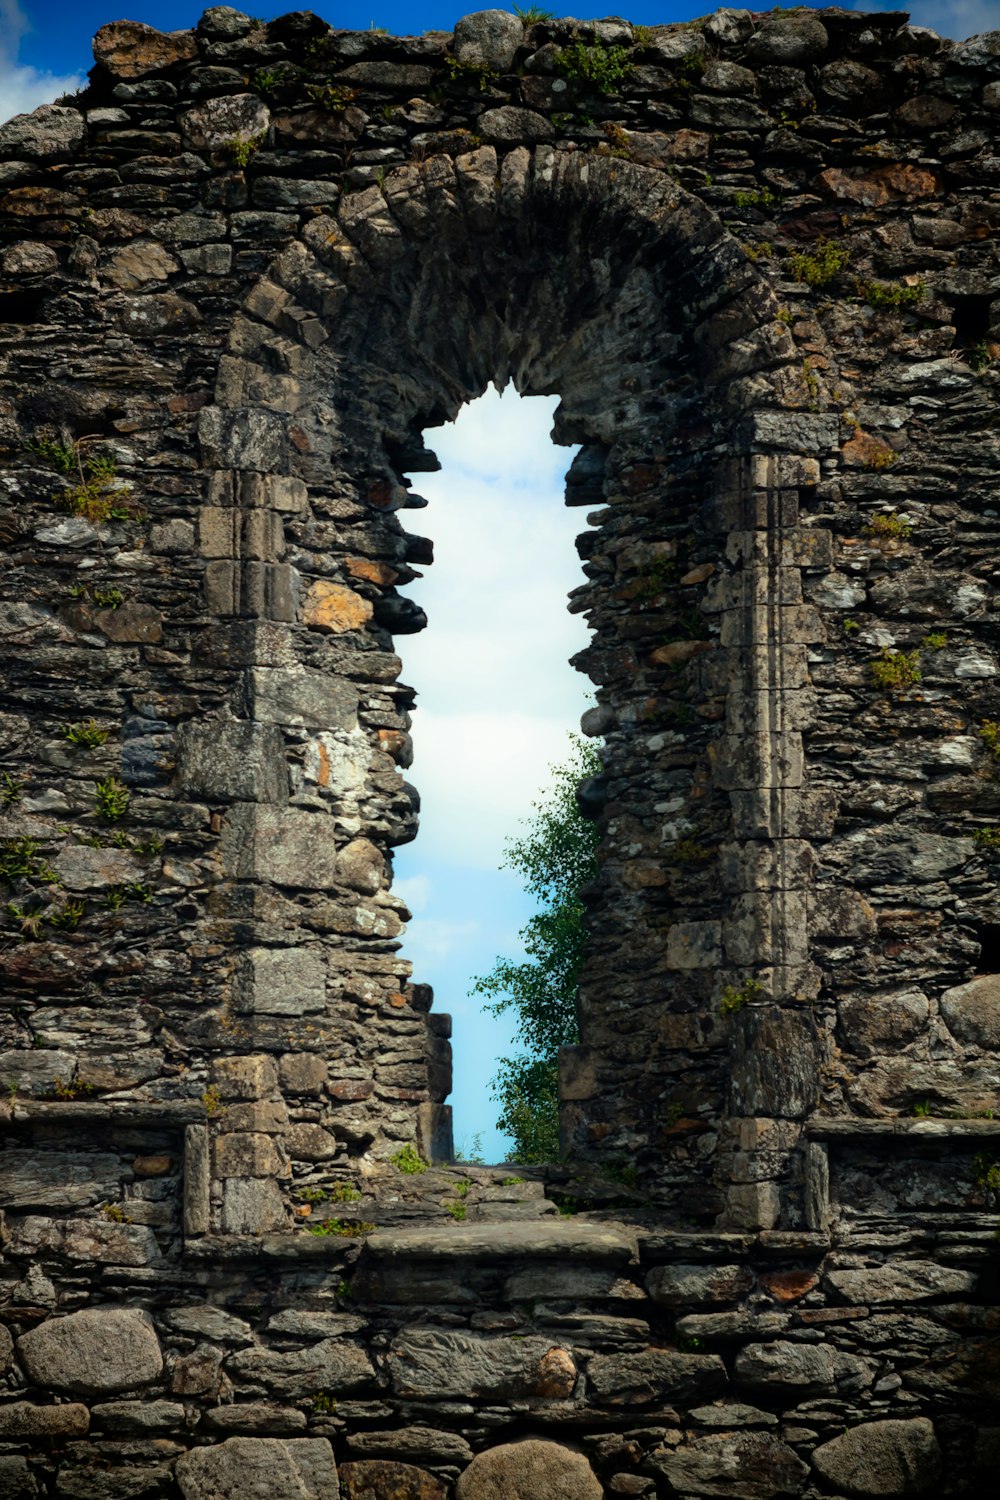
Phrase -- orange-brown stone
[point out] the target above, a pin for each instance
(788, 1286)
(385, 1479)
(676, 652)
(556, 1375)
(152, 1166)
(334, 608)
(370, 571)
(872, 189)
(128, 49)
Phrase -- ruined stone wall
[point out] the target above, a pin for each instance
(756, 258)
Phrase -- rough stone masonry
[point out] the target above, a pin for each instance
(756, 257)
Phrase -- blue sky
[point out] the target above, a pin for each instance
(45, 44)
(491, 717)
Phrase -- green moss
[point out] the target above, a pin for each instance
(888, 527)
(936, 641)
(823, 265)
(888, 296)
(733, 999)
(989, 733)
(347, 1229)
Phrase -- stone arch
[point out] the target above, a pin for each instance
(604, 281)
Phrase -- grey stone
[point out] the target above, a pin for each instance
(248, 1468)
(139, 1416)
(439, 1363)
(488, 37)
(303, 698)
(232, 761)
(81, 868)
(752, 1465)
(92, 1353)
(252, 1206)
(16, 1480)
(63, 1179)
(792, 39)
(802, 1370)
(682, 1286)
(210, 1322)
(332, 1365)
(902, 1281)
(875, 1024)
(883, 1458)
(224, 21)
(774, 1070)
(413, 1444)
(562, 1241)
(281, 981)
(51, 131)
(6, 1348)
(972, 1011)
(106, 1243)
(509, 123)
(28, 258)
(22, 1419)
(655, 1375)
(533, 1469)
(230, 117)
(287, 846)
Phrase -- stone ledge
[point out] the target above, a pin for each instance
(854, 1131)
(99, 1112)
(539, 1239)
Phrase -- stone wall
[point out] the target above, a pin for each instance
(756, 258)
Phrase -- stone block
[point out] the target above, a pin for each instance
(698, 1286)
(774, 1070)
(280, 981)
(22, 1419)
(17, 1482)
(251, 1206)
(92, 1353)
(972, 1011)
(388, 1479)
(532, 1469)
(720, 1465)
(694, 945)
(577, 1073)
(302, 1073)
(232, 760)
(489, 39)
(249, 1077)
(655, 1375)
(752, 1205)
(333, 608)
(247, 1153)
(256, 1468)
(286, 846)
(98, 1240)
(310, 1143)
(757, 760)
(893, 1458)
(879, 1024)
(334, 1365)
(767, 927)
(795, 1372)
(130, 50)
(61, 1179)
(302, 698)
(441, 1364)
(902, 1281)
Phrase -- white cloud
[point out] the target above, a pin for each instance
(956, 19)
(24, 88)
(496, 695)
(432, 941)
(415, 890)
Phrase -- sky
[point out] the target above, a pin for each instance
(45, 44)
(496, 698)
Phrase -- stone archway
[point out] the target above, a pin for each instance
(604, 281)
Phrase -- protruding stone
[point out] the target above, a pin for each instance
(752, 1465)
(439, 1363)
(334, 608)
(387, 1479)
(533, 1469)
(49, 132)
(972, 1011)
(130, 50)
(224, 120)
(883, 1459)
(93, 1352)
(252, 1468)
(488, 39)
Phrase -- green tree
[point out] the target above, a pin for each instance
(556, 857)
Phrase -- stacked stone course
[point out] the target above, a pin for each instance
(755, 255)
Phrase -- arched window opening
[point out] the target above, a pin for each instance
(495, 700)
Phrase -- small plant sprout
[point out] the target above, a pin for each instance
(733, 999)
(20, 859)
(936, 641)
(409, 1161)
(210, 1099)
(108, 598)
(604, 67)
(989, 733)
(888, 526)
(343, 1228)
(111, 799)
(987, 840)
(850, 626)
(895, 670)
(86, 733)
(923, 1109)
(533, 15)
(823, 265)
(11, 791)
(241, 149)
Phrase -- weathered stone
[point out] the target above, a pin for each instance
(232, 761)
(753, 1465)
(873, 1025)
(50, 131)
(6, 1349)
(32, 1179)
(883, 1458)
(902, 1281)
(247, 1468)
(139, 263)
(290, 847)
(533, 1469)
(220, 122)
(439, 1363)
(16, 1480)
(654, 1375)
(250, 1077)
(802, 1370)
(129, 50)
(331, 1365)
(334, 608)
(360, 866)
(280, 981)
(21, 1419)
(93, 1352)
(87, 1240)
(139, 1416)
(28, 258)
(512, 124)
(972, 1011)
(795, 39)
(306, 699)
(488, 38)
(683, 1286)
(252, 1205)
(387, 1479)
